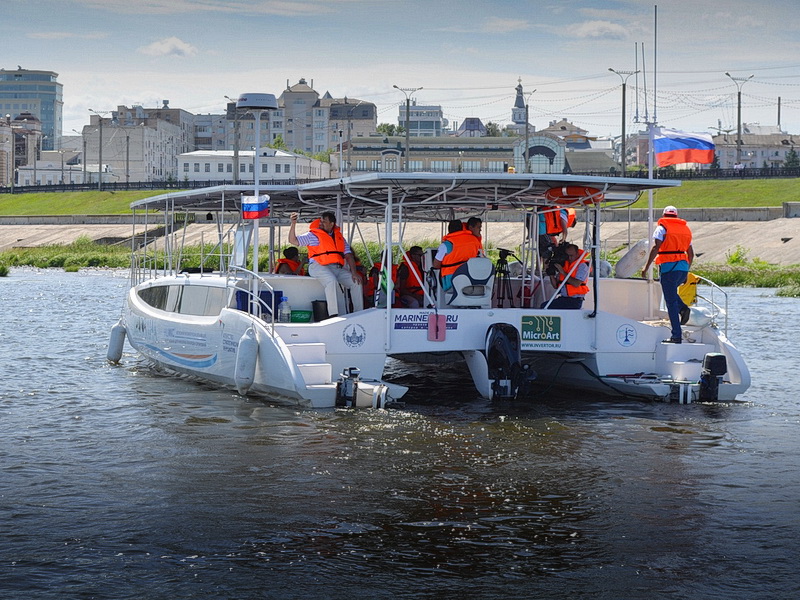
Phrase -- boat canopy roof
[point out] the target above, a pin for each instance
(422, 196)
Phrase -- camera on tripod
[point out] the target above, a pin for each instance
(504, 254)
(557, 255)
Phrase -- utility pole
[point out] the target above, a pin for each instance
(623, 158)
(739, 82)
(407, 92)
(349, 134)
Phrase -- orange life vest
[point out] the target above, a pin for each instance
(292, 264)
(571, 217)
(552, 221)
(465, 246)
(330, 250)
(677, 240)
(569, 289)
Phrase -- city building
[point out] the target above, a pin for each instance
(422, 120)
(276, 166)
(451, 154)
(37, 93)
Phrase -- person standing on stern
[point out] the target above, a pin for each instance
(673, 253)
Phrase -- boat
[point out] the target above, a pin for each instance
(219, 323)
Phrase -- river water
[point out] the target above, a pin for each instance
(118, 483)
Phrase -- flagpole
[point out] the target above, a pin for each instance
(255, 189)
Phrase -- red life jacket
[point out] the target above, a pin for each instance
(414, 278)
(292, 264)
(330, 250)
(677, 240)
(465, 246)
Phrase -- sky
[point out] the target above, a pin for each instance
(466, 55)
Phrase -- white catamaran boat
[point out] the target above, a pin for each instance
(220, 324)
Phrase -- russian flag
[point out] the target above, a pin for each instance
(677, 147)
(255, 209)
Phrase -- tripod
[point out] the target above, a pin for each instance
(503, 291)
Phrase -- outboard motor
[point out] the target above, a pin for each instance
(353, 392)
(504, 358)
(714, 367)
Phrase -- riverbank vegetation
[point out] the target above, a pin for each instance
(739, 270)
(690, 194)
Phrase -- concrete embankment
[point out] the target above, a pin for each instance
(769, 234)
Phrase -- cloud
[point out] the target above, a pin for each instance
(62, 35)
(168, 47)
(499, 25)
(599, 30)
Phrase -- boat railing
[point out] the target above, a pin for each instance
(253, 292)
(712, 301)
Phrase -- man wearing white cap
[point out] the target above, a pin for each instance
(673, 253)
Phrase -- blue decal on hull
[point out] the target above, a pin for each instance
(198, 361)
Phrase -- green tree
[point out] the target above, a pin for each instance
(792, 160)
(715, 162)
(278, 143)
(390, 129)
(492, 129)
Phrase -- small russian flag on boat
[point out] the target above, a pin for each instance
(677, 147)
(255, 209)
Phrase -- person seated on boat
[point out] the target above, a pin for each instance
(290, 264)
(457, 247)
(575, 270)
(410, 278)
(328, 253)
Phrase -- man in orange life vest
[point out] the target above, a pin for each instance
(327, 254)
(575, 288)
(458, 246)
(673, 253)
(410, 279)
(290, 264)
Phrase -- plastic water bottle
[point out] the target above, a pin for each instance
(284, 311)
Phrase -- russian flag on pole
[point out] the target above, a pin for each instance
(677, 147)
(255, 209)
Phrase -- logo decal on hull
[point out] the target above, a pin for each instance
(197, 361)
(354, 335)
(626, 336)
(540, 331)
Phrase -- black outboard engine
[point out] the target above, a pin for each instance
(504, 357)
(347, 387)
(715, 366)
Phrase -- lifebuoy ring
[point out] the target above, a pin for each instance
(574, 194)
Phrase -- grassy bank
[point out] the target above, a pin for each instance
(739, 271)
(691, 194)
(72, 203)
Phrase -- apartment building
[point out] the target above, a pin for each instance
(37, 93)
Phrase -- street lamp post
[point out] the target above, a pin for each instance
(739, 82)
(349, 134)
(623, 76)
(407, 92)
(99, 152)
(13, 151)
(83, 156)
(235, 141)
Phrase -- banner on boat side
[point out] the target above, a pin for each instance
(540, 331)
(406, 321)
(253, 208)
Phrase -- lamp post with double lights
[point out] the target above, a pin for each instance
(407, 92)
(99, 151)
(739, 82)
(13, 151)
(236, 116)
(623, 159)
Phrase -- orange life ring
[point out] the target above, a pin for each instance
(572, 194)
